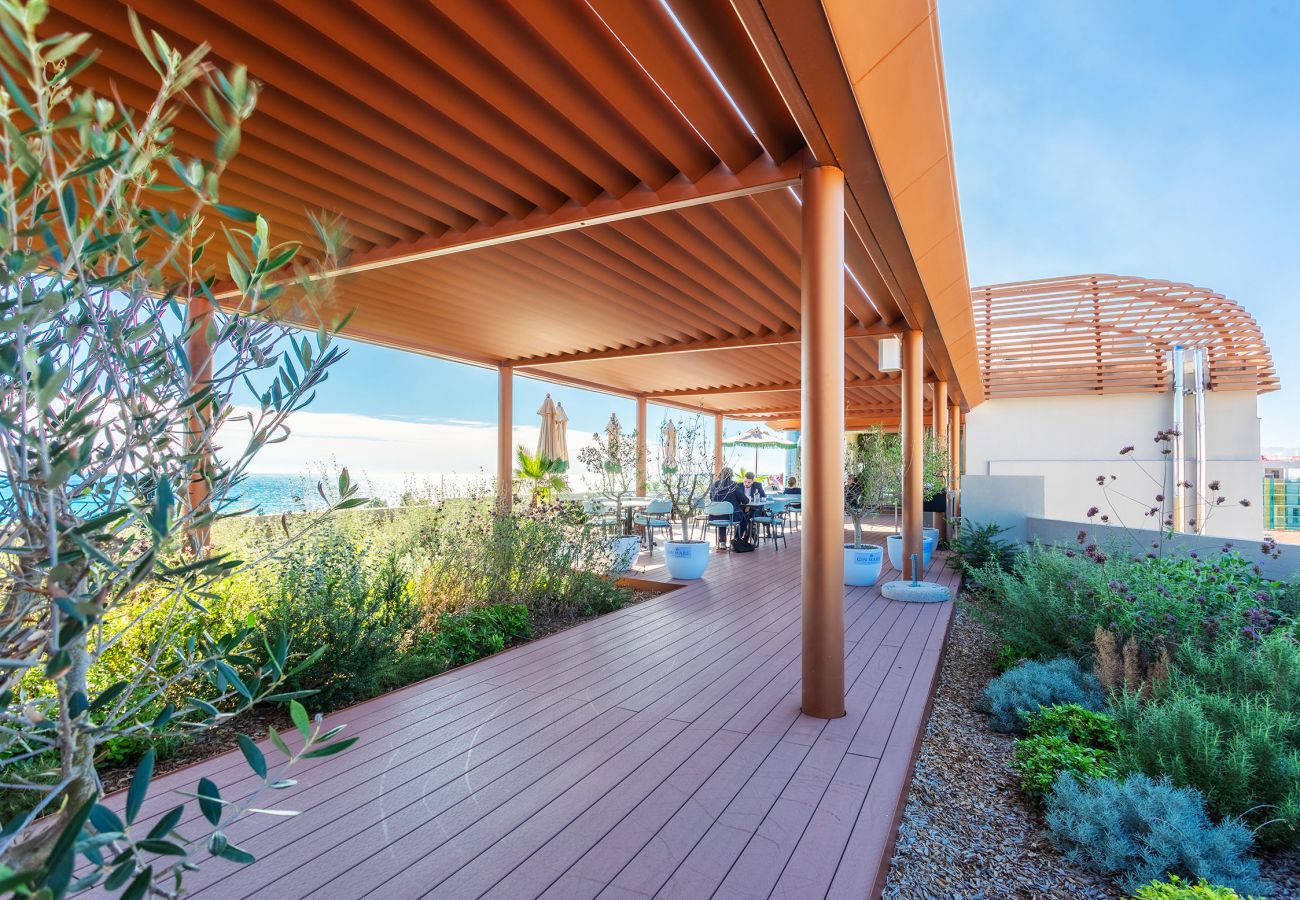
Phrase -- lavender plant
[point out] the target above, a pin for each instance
(112, 252)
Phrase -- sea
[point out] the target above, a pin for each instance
(272, 493)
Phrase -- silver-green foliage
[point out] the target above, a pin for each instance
(1022, 691)
(1140, 829)
(107, 238)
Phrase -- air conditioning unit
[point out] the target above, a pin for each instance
(890, 358)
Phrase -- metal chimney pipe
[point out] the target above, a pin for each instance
(1201, 506)
(1178, 460)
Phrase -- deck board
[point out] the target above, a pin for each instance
(656, 751)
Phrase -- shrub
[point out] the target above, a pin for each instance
(975, 547)
(1177, 889)
(1042, 607)
(1042, 758)
(1242, 753)
(1054, 598)
(337, 593)
(1079, 724)
(1007, 658)
(1033, 684)
(1140, 830)
(475, 633)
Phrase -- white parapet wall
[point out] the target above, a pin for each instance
(1070, 441)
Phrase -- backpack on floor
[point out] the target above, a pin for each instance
(741, 546)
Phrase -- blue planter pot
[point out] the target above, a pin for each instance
(686, 561)
(933, 535)
(895, 544)
(862, 564)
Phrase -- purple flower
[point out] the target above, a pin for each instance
(1214, 485)
(1126, 450)
(1092, 511)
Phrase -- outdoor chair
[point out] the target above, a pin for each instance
(655, 515)
(597, 516)
(721, 515)
(772, 520)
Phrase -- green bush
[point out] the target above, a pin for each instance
(1042, 607)
(340, 593)
(976, 546)
(1075, 722)
(1241, 751)
(472, 634)
(1007, 658)
(1140, 830)
(1042, 758)
(1033, 684)
(1053, 599)
(1177, 889)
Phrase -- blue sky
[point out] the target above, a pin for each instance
(1158, 139)
(1146, 138)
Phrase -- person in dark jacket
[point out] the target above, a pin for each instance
(727, 490)
(753, 490)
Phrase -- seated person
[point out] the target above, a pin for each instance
(753, 490)
(792, 487)
(726, 490)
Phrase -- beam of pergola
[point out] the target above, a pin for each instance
(774, 339)
(766, 388)
(763, 174)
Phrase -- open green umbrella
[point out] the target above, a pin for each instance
(758, 437)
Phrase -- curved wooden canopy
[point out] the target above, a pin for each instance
(1111, 334)
(597, 192)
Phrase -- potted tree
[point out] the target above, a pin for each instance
(872, 462)
(613, 459)
(685, 472)
(934, 464)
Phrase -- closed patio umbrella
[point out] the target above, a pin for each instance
(546, 437)
(561, 437)
(758, 437)
(670, 445)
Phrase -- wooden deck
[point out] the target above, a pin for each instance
(658, 751)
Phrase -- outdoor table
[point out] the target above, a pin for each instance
(630, 507)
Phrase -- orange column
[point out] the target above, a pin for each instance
(939, 416)
(913, 448)
(954, 458)
(717, 445)
(198, 353)
(640, 446)
(954, 447)
(505, 439)
(822, 415)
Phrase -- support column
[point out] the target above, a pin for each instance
(640, 446)
(717, 445)
(505, 439)
(822, 414)
(954, 460)
(939, 416)
(198, 352)
(913, 449)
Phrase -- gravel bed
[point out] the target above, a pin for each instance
(967, 832)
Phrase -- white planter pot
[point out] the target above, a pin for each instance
(623, 552)
(895, 544)
(862, 564)
(686, 561)
(933, 535)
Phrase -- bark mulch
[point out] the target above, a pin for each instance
(967, 832)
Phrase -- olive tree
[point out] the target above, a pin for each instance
(686, 463)
(873, 473)
(112, 251)
(614, 459)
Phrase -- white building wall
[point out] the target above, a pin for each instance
(1069, 441)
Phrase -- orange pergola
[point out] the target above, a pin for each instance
(1111, 334)
(717, 206)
